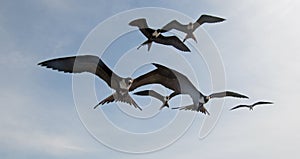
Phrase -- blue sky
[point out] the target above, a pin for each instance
(258, 44)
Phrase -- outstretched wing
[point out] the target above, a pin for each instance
(79, 64)
(262, 102)
(227, 94)
(174, 24)
(240, 106)
(141, 23)
(143, 27)
(151, 93)
(207, 19)
(161, 75)
(172, 40)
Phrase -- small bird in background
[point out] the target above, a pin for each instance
(252, 105)
(191, 27)
(152, 93)
(153, 35)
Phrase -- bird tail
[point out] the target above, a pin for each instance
(190, 36)
(164, 105)
(149, 44)
(115, 97)
(107, 100)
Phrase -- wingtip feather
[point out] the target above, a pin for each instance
(146, 92)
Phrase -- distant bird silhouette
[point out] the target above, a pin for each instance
(155, 36)
(163, 99)
(251, 106)
(191, 27)
(180, 84)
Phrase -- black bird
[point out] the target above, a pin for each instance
(163, 99)
(191, 27)
(94, 65)
(155, 36)
(180, 84)
(251, 106)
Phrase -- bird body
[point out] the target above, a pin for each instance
(153, 35)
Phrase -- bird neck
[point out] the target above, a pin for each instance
(156, 33)
(190, 26)
(206, 99)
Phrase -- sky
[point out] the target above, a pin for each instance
(41, 116)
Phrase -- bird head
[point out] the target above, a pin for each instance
(156, 33)
(190, 26)
(206, 99)
(126, 83)
(167, 98)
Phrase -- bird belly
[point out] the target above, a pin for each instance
(201, 99)
(123, 85)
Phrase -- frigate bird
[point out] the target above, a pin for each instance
(163, 99)
(94, 65)
(153, 35)
(180, 84)
(251, 106)
(191, 27)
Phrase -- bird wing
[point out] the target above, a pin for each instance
(262, 102)
(79, 64)
(207, 19)
(172, 40)
(151, 93)
(143, 27)
(141, 23)
(240, 106)
(227, 93)
(191, 107)
(174, 24)
(161, 75)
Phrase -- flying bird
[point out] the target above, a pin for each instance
(204, 99)
(153, 35)
(191, 27)
(252, 105)
(180, 84)
(163, 99)
(94, 65)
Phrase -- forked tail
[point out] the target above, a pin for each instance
(119, 98)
